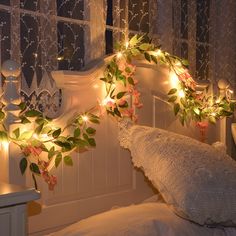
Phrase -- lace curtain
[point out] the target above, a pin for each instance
(46, 35)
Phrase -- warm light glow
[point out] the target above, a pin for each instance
(96, 86)
(178, 63)
(107, 100)
(181, 94)
(174, 81)
(231, 91)
(60, 58)
(119, 55)
(126, 45)
(35, 136)
(85, 118)
(213, 114)
(157, 53)
(4, 145)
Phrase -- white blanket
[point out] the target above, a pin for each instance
(141, 220)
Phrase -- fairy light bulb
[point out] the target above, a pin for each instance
(106, 101)
(213, 114)
(174, 80)
(119, 55)
(157, 53)
(85, 118)
(126, 44)
(181, 93)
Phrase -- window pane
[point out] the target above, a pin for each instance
(203, 9)
(71, 9)
(109, 41)
(139, 15)
(5, 2)
(30, 48)
(70, 46)
(32, 5)
(202, 62)
(5, 36)
(184, 19)
(109, 13)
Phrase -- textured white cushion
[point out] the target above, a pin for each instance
(195, 179)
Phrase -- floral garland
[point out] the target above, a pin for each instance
(45, 146)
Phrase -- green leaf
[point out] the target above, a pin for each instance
(16, 132)
(23, 165)
(68, 161)
(51, 152)
(134, 40)
(172, 99)
(95, 121)
(135, 51)
(92, 142)
(232, 106)
(212, 119)
(147, 56)
(58, 159)
(26, 135)
(176, 108)
(185, 62)
(145, 46)
(32, 113)
(81, 143)
(39, 129)
(77, 132)
(120, 95)
(22, 106)
(172, 91)
(24, 120)
(2, 115)
(130, 80)
(34, 168)
(154, 59)
(86, 137)
(56, 133)
(117, 112)
(90, 130)
(196, 111)
(104, 79)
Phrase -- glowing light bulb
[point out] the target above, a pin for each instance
(126, 44)
(85, 118)
(213, 114)
(5, 145)
(231, 91)
(106, 101)
(181, 93)
(178, 63)
(35, 136)
(119, 55)
(174, 80)
(157, 53)
(60, 58)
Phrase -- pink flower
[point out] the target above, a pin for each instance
(121, 102)
(31, 150)
(51, 180)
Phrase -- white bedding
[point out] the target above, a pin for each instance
(141, 220)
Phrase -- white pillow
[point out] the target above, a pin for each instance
(195, 179)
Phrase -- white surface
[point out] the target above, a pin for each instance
(13, 194)
(147, 219)
(13, 199)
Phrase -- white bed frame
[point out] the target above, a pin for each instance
(104, 177)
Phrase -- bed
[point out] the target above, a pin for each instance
(105, 180)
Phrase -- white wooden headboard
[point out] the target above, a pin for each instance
(103, 177)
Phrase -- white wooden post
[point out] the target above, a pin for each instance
(10, 153)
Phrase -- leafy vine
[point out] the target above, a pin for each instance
(45, 146)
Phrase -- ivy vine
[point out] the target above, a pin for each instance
(45, 146)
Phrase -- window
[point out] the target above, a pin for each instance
(191, 24)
